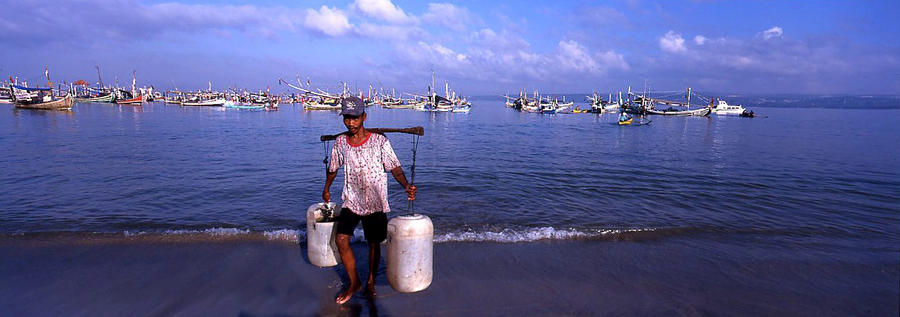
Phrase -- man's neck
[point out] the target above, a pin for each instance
(358, 135)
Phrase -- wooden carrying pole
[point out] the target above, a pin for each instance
(414, 130)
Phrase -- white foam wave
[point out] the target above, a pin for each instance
(289, 235)
(504, 236)
(528, 235)
(509, 236)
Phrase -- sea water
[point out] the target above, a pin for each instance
(829, 176)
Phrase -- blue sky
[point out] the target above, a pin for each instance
(479, 47)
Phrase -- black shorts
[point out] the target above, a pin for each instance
(374, 225)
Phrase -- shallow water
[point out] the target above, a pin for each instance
(819, 176)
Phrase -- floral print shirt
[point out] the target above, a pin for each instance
(365, 180)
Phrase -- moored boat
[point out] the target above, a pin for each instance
(205, 100)
(722, 108)
(133, 97)
(39, 98)
(678, 112)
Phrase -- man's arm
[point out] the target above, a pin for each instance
(401, 178)
(329, 178)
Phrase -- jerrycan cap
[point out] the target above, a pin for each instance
(411, 217)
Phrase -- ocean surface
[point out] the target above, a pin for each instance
(822, 177)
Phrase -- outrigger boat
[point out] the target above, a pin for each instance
(598, 105)
(40, 98)
(5, 96)
(649, 105)
(173, 97)
(101, 94)
(450, 102)
(205, 99)
(133, 97)
(317, 100)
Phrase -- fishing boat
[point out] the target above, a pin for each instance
(675, 108)
(598, 105)
(322, 103)
(5, 96)
(125, 97)
(449, 102)
(462, 108)
(264, 100)
(133, 97)
(671, 111)
(99, 96)
(39, 98)
(205, 99)
(173, 97)
(317, 99)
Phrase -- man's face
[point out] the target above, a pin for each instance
(354, 123)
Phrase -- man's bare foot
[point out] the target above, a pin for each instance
(370, 289)
(346, 295)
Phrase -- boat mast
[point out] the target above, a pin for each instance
(689, 98)
(433, 93)
(133, 83)
(99, 79)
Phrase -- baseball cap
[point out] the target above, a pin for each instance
(352, 106)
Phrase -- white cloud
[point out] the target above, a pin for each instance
(503, 41)
(447, 15)
(774, 32)
(672, 42)
(438, 54)
(700, 39)
(329, 21)
(575, 57)
(387, 32)
(604, 16)
(383, 10)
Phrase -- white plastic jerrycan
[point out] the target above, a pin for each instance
(409, 253)
(320, 233)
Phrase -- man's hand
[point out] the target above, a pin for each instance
(411, 192)
(326, 195)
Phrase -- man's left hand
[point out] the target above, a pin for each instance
(411, 192)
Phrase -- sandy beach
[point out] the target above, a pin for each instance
(677, 276)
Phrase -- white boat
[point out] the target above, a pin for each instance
(214, 102)
(722, 108)
(462, 109)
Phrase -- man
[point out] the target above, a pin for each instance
(623, 116)
(365, 157)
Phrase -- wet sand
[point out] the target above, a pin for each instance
(676, 276)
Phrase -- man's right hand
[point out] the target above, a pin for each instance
(326, 195)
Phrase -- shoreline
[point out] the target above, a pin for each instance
(262, 278)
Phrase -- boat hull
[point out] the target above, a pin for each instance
(206, 103)
(133, 101)
(105, 99)
(695, 112)
(314, 106)
(729, 112)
